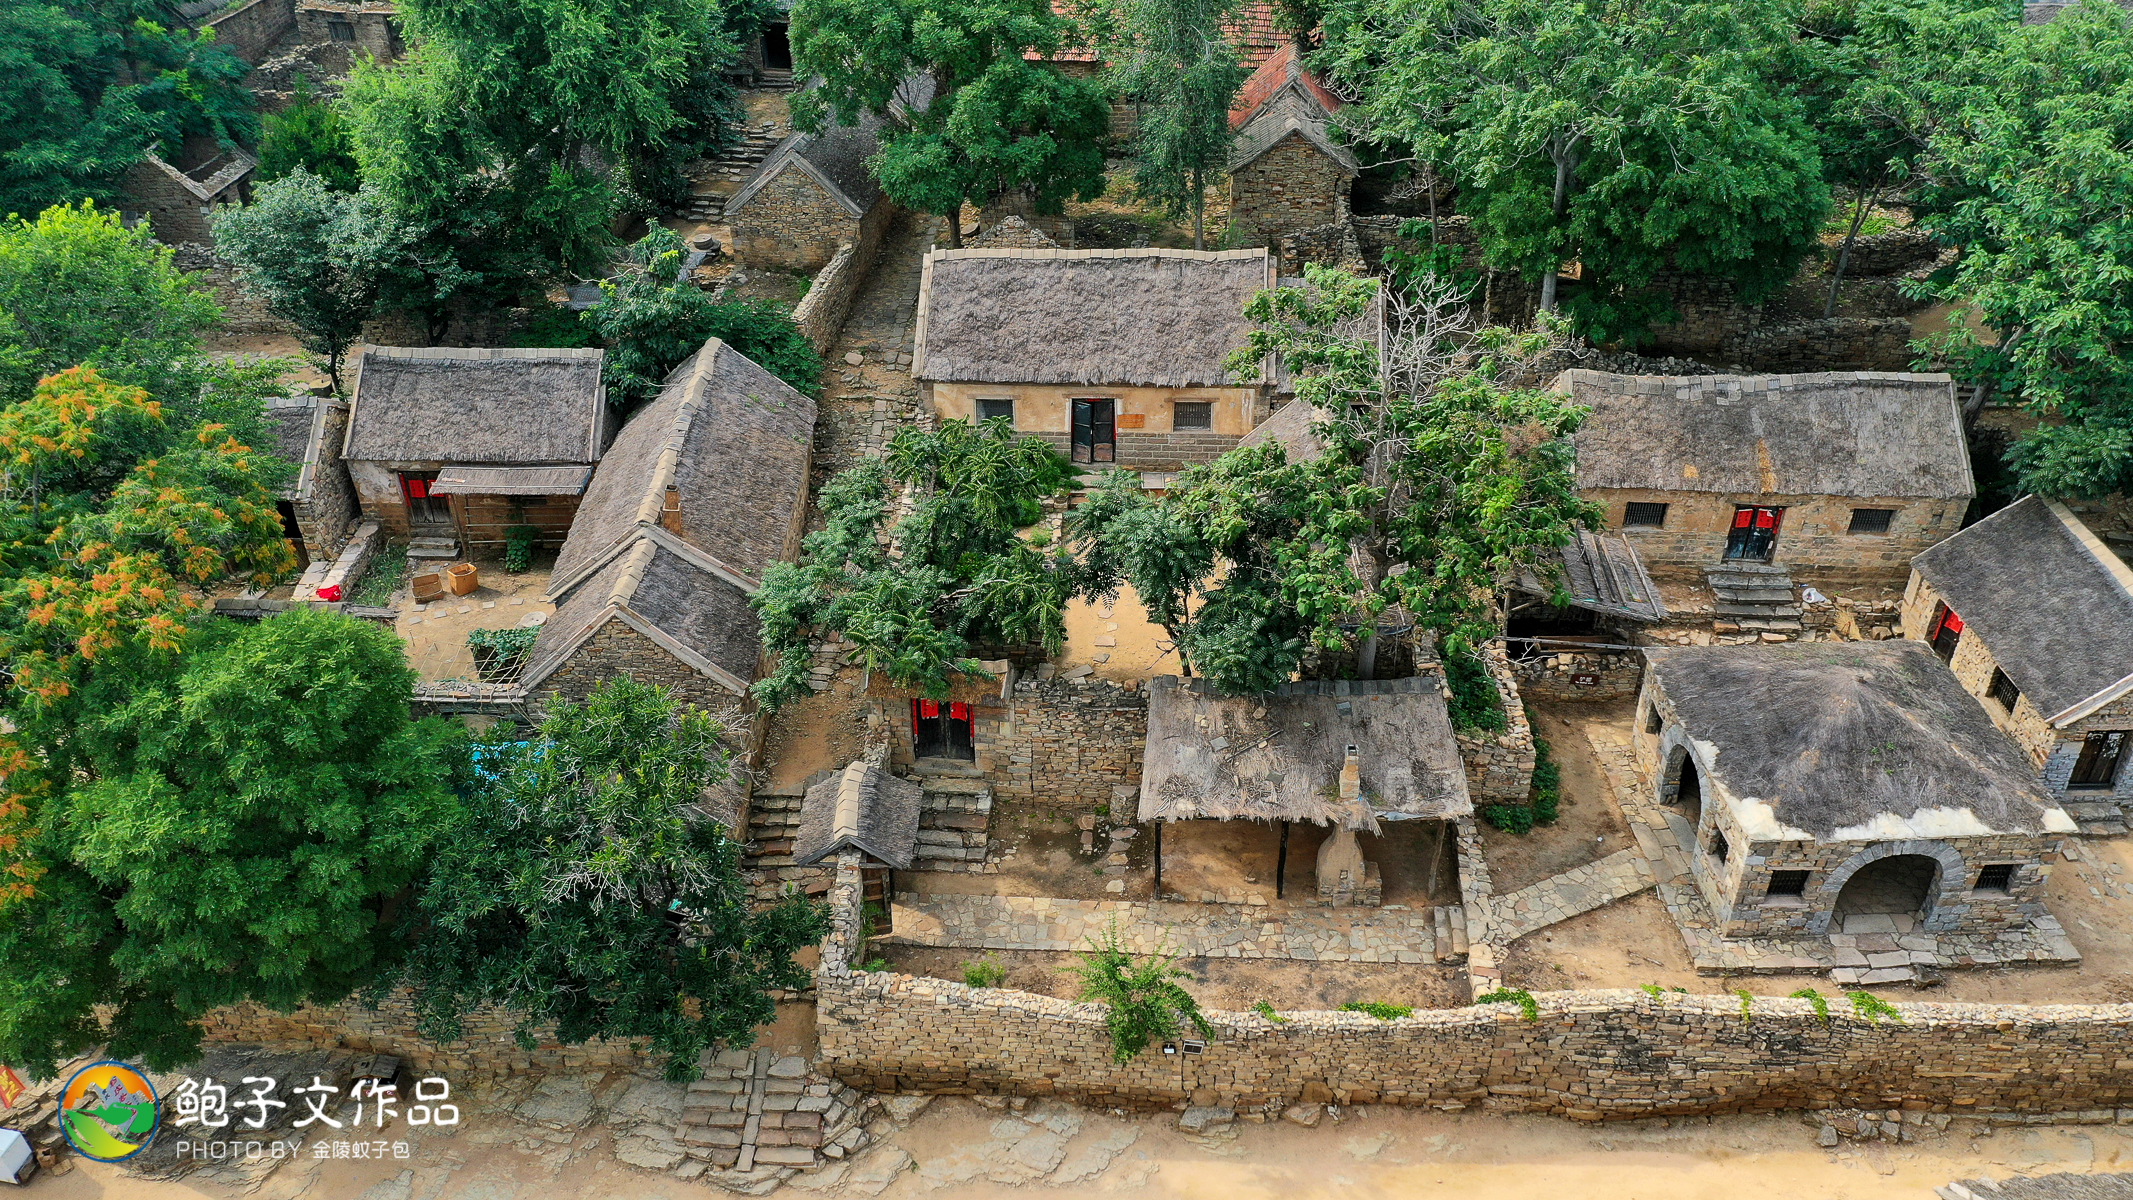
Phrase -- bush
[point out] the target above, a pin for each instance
(1383, 1012)
(984, 973)
(1144, 997)
(1476, 705)
(1511, 818)
(500, 654)
(519, 541)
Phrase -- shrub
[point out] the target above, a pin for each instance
(1267, 1010)
(1547, 784)
(1519, 996)
(500, 654)
(1476, 705)
(1143, 996)
(1816, 1000)
(1873, 1008)
(984, 973)
(1382, 1011)
(1511, 818)
(519, 541)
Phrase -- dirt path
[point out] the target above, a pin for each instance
(1590, 827)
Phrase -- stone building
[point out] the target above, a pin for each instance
(1286, 171)
(175, 195)
(461, 444)
(1837, 478)
(318, 509)
(814, 193)
(2035, 616)
(1352, 755)
(1849, 787)
(1113, 356)
(702, 490)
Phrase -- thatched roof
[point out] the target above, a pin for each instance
(1149, 318)
(1278, 757)
(1849, 741)
(730, 443)
(732, 440)
(487, 407)
(862, 807)
(1844, 433)
(2052, 603)
(1604, 573)
(1290, 112)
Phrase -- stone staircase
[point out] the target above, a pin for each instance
(952, 820)
(766, 859)
(733, 165)
(1754, 598)
(2097, 818)
(441, 548)
(1450, 922)
(951, 832)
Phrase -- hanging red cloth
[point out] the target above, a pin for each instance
(1952, 623)
(929, 709)
(1741, 517)
(1766, 518)
(959, 711)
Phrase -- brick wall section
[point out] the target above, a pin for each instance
(1591, 1055)
(1812, 540)
(1070, 741)
(1499, 766)
(793, 224)
(251, 32)
(1292, 186)
(488, 1050)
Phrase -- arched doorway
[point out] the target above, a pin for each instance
(1688, 790)
(1889, 895)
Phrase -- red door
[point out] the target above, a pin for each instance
(1755, 534)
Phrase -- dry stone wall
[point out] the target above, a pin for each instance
(1292, 186)
(822, 311)
(1499, 765)
(487, 1051)
(1581, 676)
(1072, 741)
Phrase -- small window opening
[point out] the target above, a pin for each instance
(1945, 633)
(1637, 513)
(341, 31)
(2003, 690)
(990, 409)
(1871, 520)
(1192, 414)
(1719, 848)
(1998, 877)
(2100, 754)
(1788, 883)
(1653, 722)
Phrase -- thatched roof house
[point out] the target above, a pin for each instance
(1278, 757)
(864, 808)
(441, 404)
(702, 490)
(320, 501)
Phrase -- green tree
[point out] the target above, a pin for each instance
(320, 259)
(1143, 996)
(962, 576)
(1177, 61)
(1627, 136)
(996, 120)
(231, 825)
(310, 135)
(584, 887)
(652, 319)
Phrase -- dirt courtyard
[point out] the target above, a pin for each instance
(1230, 984)
(1590, 825)
(436, 633)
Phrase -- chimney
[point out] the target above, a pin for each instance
(1351, 776)
(670, 511)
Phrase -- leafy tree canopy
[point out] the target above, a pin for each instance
(584, 887)
(996, 121)
(962, 578)
(308, 134)
(653, 319)
(1175, 58)
(229, 825)
(1627, 136)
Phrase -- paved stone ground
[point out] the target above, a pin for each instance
(1561, 897)
(1393, 934)
(865, 402)
(1890, 956)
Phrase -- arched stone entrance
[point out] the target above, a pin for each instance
(1890, 895)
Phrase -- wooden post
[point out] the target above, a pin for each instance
(1436, 859)
(1281, 862)
(1158, 861)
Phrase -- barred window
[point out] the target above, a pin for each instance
(1643, 514)
(1998, 877)
(1788, 883)
(1192, 414)
(1871, 520)
(989, 409)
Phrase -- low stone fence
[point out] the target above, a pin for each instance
(822, 311)
(1499, 765)
(488, 1051)
(1824, 344)
(1580, 675)
(1589, 1055)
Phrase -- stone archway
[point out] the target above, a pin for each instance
(1894, 894)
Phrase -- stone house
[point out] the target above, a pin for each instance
(1352, 755)
(814, 193)
(1849, 787)
(2035, 617)
(175, 195)
(703, 489)
(1838, 478)
(1113, 356)
(319, 508)
(1286, 171)
(462, 444)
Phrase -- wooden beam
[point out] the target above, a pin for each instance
(1281, 862)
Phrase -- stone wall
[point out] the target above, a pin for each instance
(793, 224)
(328, 511)
(1580, 675)
(1292, 186)
(822, 311)
(367, 28)
(1332, 245)
(250, 32)
(1832, 344)
(1152, 451)
(487, 1051)
(616, 649)
(1588, 1055)
(1071, 741)
(1499, 766)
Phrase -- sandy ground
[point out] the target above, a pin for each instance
(436, 633)
(819, 733)
(1365, 1153)
(1232, 984)
(1138, 649)
(1589, 827)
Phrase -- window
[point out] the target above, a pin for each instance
(1998, 877)
(340, 31)
(2098, 765)
(1192, 414)
(1871, 520)
(1788, 883)
(1945, 632)
(2003, 690)
(1653, 722)
(1637, 513)
(1719, 848)
(988, 409)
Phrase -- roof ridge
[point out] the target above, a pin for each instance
(667, 466)
(479, 353)
(639, 561)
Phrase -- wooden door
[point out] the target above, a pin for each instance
(1754, 535)
(1095, 431)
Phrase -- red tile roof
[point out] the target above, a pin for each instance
(1269, 78)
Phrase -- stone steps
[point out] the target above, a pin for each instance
(1753, 598)
(1450, 922)
(2097, 818)
(433, 547)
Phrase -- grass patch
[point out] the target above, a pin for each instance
(1382, 1011)
(385, 575)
